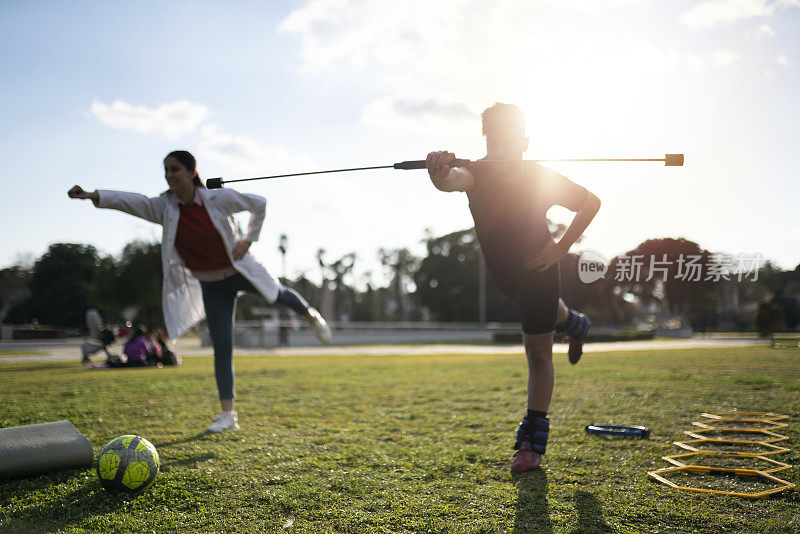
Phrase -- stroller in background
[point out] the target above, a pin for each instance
(100, 337)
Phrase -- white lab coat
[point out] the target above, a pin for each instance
(181, 296)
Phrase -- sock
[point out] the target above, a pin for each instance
(532, 414)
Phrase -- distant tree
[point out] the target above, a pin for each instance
(325, 302)
(20, 313)
(307, 288)
(678, 283)
(402, 264)
(59, 287)
(14, 282)
(342, 294)
(320, 255)
(139, 281)
(790, 306)
(69, 278)
(771, 276)
(602, 300)
(668, 261)
(283, 246)
(105, 290)
(366, 304)
(447, 278)
(769, 319)
(784, 287)
(447, 281)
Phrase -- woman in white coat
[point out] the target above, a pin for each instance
(205, 262)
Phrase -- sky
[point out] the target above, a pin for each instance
(97, 93)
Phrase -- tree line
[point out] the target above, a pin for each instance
(447, 284)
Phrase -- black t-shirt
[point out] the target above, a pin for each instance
(509, 210)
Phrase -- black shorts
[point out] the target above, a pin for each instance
(537, 295)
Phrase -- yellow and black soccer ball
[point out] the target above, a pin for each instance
(127, 464)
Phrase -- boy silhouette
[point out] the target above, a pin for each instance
(509, 200)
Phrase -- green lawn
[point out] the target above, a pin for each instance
(21, 352)
(399, 444)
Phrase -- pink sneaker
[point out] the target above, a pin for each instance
(525, 460)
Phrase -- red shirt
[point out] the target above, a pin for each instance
(198, 242)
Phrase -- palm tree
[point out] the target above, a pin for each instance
(283, 243)
(341, 268)
(402, 263)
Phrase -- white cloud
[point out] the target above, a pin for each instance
(207, 130)
(764, 30)
(437, 62)
(418, 42)
(781, 59)
(403, 45)
(646, 57)
(421, 114)
(720, 58)
(357, 32)
(418, 55)
(171, 120)
(696, 63)
(711, 12)
(724, 57)
(238, 154)
(593, 6)
(243, 155)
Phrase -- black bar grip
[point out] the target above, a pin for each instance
(214, 183)
(420, 164)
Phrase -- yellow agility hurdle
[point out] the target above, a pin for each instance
(757, 435)
(769, 465)
(741, 423)
(734, 416)
(714, 451)
(696, 445)
(782, 485)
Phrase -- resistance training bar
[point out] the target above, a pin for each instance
(670, 160)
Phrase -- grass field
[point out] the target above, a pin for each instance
(21, 352)
(399, 444)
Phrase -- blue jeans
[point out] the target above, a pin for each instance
(219, 299)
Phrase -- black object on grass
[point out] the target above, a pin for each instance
(619, 431)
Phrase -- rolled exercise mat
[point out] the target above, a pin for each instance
(43, 448)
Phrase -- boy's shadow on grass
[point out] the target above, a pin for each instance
(590, 514)
(533, 515)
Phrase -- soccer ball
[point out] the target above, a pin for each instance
(127, 464)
